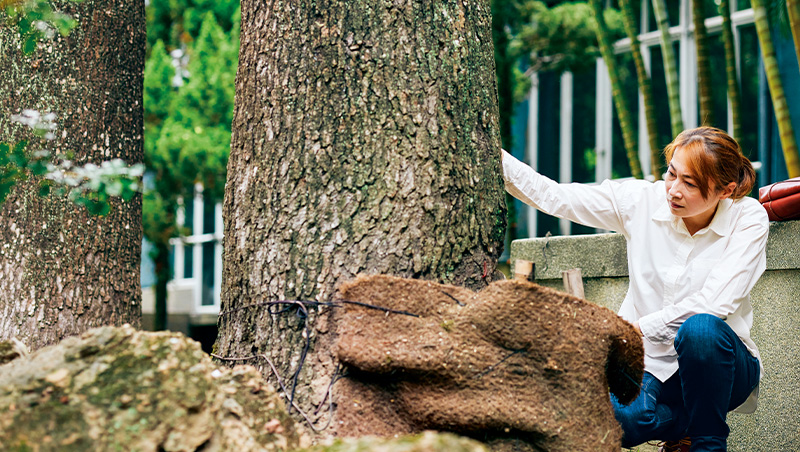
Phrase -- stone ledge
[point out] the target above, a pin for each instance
(604, 255)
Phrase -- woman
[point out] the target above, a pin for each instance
(695, 250)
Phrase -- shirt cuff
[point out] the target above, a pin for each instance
(655, 330)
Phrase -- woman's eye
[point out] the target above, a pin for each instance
(691, 185)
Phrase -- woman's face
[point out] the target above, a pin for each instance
(684, 197)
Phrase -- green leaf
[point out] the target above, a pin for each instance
(19, 148)
(44, 189)
(114, 188)
(5, 189)
(30, 44)
(24, 25)
(100, 208)
(66, 26)
(38, 168)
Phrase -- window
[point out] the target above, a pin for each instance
(198, 254)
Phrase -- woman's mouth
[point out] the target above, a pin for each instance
(675, 206)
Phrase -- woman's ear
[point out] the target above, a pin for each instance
(728, 190)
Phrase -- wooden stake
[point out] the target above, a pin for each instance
(523, 270)
(573, 282)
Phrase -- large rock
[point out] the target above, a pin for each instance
(11, 350)
(424, 442)
(122, 389)
(518, 365)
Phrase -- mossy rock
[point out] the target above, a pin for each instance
(424, 442)
(121, 389)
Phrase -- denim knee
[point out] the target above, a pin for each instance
(702, 338)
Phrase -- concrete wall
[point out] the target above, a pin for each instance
(775, 426)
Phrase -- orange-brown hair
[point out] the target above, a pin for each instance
(715, 159)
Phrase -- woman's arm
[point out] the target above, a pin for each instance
(600, 206)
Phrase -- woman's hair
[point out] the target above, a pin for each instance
(714, 158)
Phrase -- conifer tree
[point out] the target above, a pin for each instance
(187, 134)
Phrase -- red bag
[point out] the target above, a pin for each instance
(781, 199)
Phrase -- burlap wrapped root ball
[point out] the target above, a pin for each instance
(517, 365)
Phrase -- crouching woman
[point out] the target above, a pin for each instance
(695, 250)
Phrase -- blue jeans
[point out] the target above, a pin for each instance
(715, 375)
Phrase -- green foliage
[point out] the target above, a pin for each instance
(36, 20)
(13, 166)
(188, 123)
(158, 75)
(90, 186)
(184, 156)
(178, 22)
(159, 218)
(207, 97)
(93, 186)
(188, 128)
(562, 38)
(522, 85)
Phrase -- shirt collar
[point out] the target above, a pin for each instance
(721, 223)
(662, 214)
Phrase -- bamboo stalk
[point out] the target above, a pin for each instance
(623, 112)
(730, 68)
(703, 64)
(793, 6)
(645, 86)
(781, 107)
(670, 67)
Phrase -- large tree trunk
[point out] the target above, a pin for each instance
(365, 140)
(62, 270)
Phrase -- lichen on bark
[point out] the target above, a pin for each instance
(62, 270)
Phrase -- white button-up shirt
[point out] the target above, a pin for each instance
(673, 274)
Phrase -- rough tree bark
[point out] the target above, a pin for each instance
(365, 140)
(63, 271)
